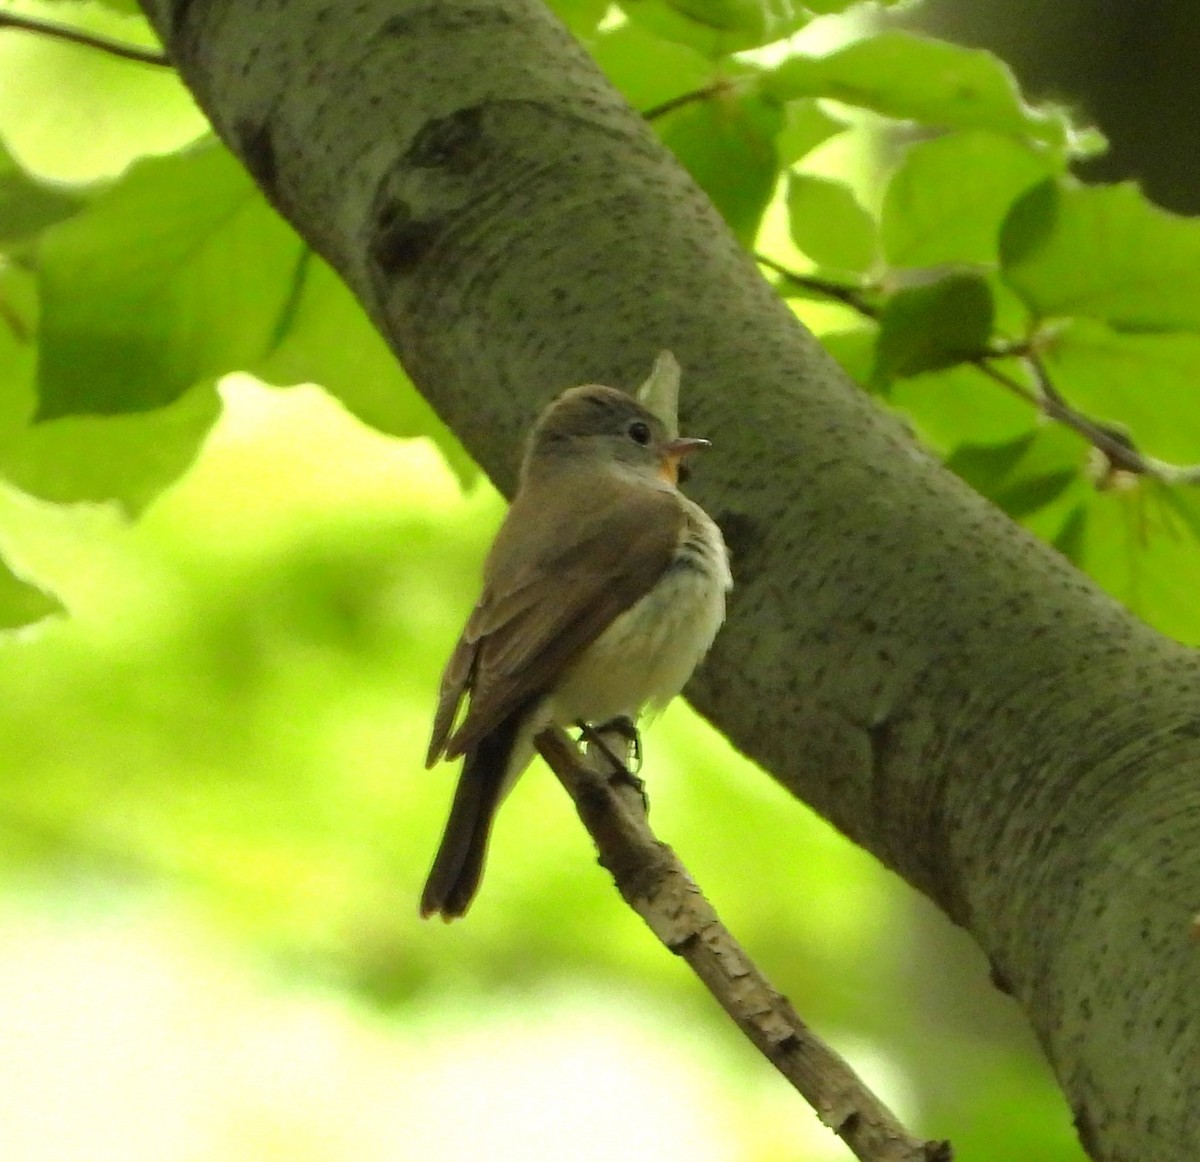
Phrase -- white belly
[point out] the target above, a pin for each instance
(645, 657)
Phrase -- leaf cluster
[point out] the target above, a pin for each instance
(1042, 334)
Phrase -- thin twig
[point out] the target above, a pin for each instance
(690, 98)
(129, 52)
(851, 296)
(1116, 447)
(1120, 452)
(1169, 473)
(658, 887)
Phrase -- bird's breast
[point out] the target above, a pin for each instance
(647, 654)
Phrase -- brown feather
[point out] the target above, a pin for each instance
(456, 679)
(458, 866)
(586, 555)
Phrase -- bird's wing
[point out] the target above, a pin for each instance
(551, 588)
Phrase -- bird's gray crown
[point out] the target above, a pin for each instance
(593, 410)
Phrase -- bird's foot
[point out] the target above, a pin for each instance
(621, 774)
(625, 727)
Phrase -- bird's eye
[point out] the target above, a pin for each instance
(639, 433)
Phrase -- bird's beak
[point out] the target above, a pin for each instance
(675, 451)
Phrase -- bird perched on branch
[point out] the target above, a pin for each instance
(603, 589)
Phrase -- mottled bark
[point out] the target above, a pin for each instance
(950, 692)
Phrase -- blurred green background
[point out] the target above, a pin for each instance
(216, 823)
(214, 815)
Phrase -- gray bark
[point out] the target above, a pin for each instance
(948, 691)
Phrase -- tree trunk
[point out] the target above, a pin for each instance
(944, 688)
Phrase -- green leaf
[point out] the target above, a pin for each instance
(178, 273)
(949, 196)
(129, 459)
(21, 602)
(125, 7)
(718, 28)
(1141, 545)
(580, 16)
(1026, 475)
(28, 205)
(960, 405)
(728, 145)
(648, 70)
(1072, 537)
(80, 115)
(986, 466)
(329, 340)
(1144, 382)
(915, 78)
(1029, 223)
(830, 225)
(854, 349)
(1103, 252)
(930, 327)
(806, 125)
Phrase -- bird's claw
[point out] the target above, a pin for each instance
(621, 774)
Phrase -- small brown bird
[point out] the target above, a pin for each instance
(604, 588)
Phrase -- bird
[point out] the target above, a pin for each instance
(604, 588)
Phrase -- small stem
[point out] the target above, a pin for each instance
(850, 296)
(1006, 381)
(1116, 446)
(1188, 474)
(129, 52)
(689, 98)
(1118, 449)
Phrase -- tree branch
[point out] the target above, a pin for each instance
(658, 887)
(129, 52)
(1120, 452)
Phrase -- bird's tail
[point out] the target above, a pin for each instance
(458, 866)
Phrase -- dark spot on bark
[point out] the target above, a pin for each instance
(679, 947)
(849, 1123)
(880, 737)
(182, 35)
(1190, 729)
(400, 241)
(1086, 1129)
(258, 152)
(449, 142)
(744, 537)
(1000, 978)
(438, 17)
